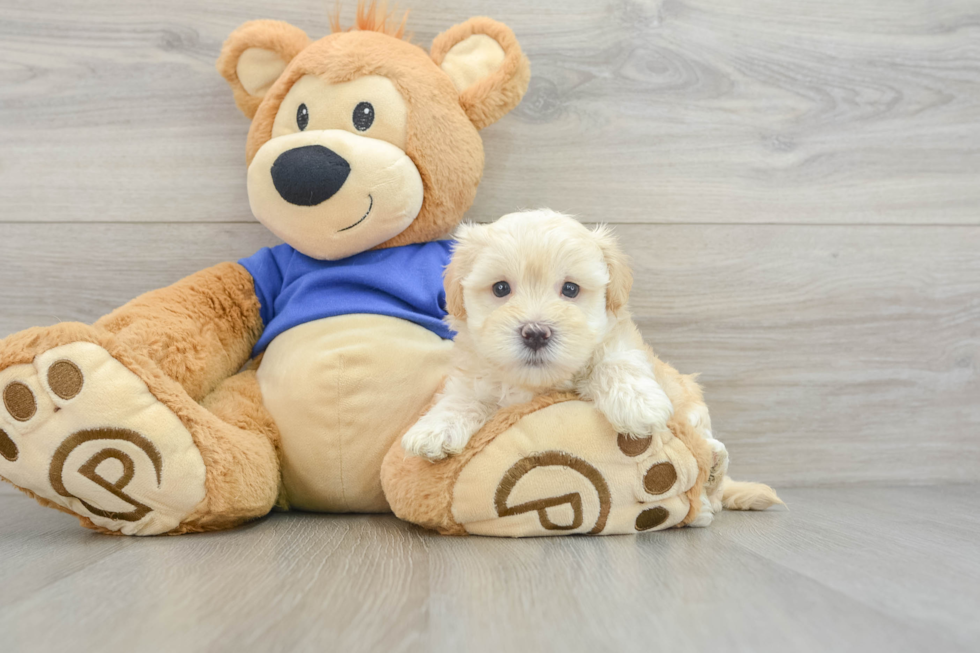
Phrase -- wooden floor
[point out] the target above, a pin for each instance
(798, 184)
(860, 569)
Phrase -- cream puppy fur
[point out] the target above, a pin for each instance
(539, 303)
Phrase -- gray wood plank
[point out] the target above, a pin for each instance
(843, 570)
(40, 546)
(895, 550)
(78, 272)
(698, 111)
(685, 590)
(292, 583)
(858, 345)
(829, 354)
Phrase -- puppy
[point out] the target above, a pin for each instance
(539, 303)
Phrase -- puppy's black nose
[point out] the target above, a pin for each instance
(309, 175)
(535, 335)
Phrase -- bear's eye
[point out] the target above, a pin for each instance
(363, 116)
(501, 289)
(570, 290)
(302, 117)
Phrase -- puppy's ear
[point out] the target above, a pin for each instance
(453, 282)
(485, 62)
(254, 57)
(620, 274)
(464, 253)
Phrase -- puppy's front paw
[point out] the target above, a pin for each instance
(424, 441)
(640, 410)
(434, 441)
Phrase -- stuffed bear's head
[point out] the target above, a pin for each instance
(362, 140)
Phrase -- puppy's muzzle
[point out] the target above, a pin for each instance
(536, 336)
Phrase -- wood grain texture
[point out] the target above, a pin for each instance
(878, 569)
(694, 111)
(797, 183)
(829, 354)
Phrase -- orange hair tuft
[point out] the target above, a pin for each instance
(373, 17)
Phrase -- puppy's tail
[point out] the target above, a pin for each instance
(739, 495)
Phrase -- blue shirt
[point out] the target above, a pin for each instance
(404, 282)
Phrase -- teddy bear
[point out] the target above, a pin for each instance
(286, 379)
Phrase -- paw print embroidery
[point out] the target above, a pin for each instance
(658, 480)
(583, 478)
(541, 506)
(80, 429)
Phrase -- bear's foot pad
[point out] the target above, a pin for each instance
(562, 470)
(553, 466)
(79, 429)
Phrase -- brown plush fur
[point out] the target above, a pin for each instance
(238, 401)
(273, 35)
(242, 475)
(487, 101)
(442, 138)
(199, 331)
(443, 144)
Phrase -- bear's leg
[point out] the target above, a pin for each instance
(553, 466)
(238, 402)
(103, 422)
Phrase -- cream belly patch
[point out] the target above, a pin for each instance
(80, 429)
(337, 414)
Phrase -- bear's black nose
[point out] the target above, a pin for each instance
(308, 175)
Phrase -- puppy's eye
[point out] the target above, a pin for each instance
(570, 290)
(363, 116)
(302, 117)
(501, 289)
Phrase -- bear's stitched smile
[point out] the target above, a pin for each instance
(370, 206)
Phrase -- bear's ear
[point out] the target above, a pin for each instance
(485, 62)
(254, 57)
